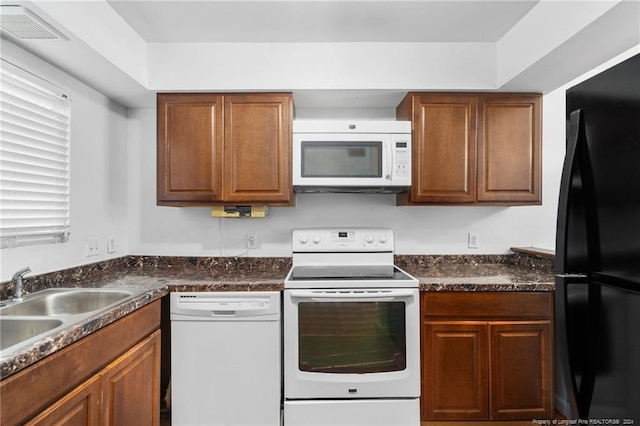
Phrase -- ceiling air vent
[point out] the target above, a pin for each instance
(23, 24)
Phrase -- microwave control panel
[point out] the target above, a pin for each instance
(401, 157)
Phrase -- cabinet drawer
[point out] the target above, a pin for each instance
(493, 305)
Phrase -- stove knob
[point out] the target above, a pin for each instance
(303, 239)
(316, 239)
(383, 238)
(369, 239)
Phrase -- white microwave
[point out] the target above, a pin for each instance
(351, 156)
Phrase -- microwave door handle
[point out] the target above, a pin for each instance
(388, 165)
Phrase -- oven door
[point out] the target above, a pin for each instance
(351, 343)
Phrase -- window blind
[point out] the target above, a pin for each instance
(34, 160)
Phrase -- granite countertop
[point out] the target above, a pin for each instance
(161, 275)
(157, 275)
(481, 273)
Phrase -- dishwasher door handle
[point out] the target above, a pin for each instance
(222, 306)
(231, 306)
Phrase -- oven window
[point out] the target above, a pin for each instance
(352, 337)
(341, 159)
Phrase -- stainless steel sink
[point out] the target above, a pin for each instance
(13, 331)
(56, 302)
(46, 312)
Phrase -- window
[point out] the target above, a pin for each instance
(34, 159)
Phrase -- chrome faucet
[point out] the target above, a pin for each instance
(17, 281)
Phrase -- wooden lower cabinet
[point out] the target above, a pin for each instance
(487, 356)
(110, 377)
(455, 371)
(81, 407)
(521, 370)
(127, 392)
(131, 386)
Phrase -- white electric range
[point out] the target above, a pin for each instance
(351, 331)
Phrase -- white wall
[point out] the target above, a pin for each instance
(113, 182)
(419, 230)
(98, 175)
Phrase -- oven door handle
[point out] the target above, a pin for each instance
(342, 296)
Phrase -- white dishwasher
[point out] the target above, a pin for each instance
(225, 359)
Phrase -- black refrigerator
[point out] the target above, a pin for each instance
(598, 249)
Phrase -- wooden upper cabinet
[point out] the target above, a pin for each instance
(189, 148)
(215, 148)
(444, 147)
(257, 149)
(509, 148)
(474, 148)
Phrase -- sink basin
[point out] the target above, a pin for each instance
(14, 331)
(65, 302)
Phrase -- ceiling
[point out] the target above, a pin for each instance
(343, 54)
(321, 21)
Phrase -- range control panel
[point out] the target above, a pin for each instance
(342, 240)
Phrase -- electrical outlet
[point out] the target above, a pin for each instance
(111, 244)
(252, 240)
(92, 247)
(473, 240)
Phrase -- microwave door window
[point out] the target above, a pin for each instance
(342, 159)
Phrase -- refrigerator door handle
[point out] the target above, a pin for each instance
(587, 384)
(562, 343)
(577, 163)
(570, 164)
(580, 392)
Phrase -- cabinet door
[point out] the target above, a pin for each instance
(81, 407)
(257, 148)
(455, 373)
(521, 370)
(189, 149)
(509, 149)
(131, 386)
(444, 148)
